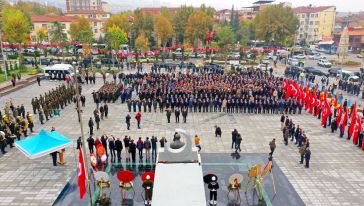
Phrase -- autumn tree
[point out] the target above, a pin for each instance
(198, 25)
(180, 22)
(142, 42)
(41, 35)
(276, 24)
(81, 31)
(225, 39)
(164, 30)
(120, 20)
(16, 26)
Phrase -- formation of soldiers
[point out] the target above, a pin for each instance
(14, 123)
(244, 92)
(107, 93)
(51, 102)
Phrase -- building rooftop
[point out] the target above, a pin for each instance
(87, 12)
(42, 19)
(310, 9)
(263, 1)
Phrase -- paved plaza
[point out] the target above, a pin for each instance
(335, 176)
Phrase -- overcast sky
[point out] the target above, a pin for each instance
(341, 5)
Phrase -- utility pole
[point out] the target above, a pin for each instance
(82, 132)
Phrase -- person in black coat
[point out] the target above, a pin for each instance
(91, 125)
(184, 115)
(177, 113)
(213, 187)
(307, 157)
(106, 110)
(118, 148)
(132, 150)
(104, 143)
(217, 131)
(91, 143)
(79, 143)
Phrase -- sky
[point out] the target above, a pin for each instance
(341, 5)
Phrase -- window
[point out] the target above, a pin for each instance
(95, 31)
(312, 15)
(317, 22)
(316, 15)
(44, 26)
(302, 22)
(95, 23)
(303, 15)
(311, 22)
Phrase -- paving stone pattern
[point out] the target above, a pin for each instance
(335, 177)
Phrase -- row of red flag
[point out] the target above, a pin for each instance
(308, 98)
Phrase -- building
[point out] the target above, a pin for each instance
(356, 39)
(349, 20)
(74, 5)
(222, 16)
(251, 11)
(315, 23)
(46, 22)
(93, 14)
(158, 11)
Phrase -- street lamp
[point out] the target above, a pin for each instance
(81, 127)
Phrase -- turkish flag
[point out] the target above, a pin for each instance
(81, 175)
(353, 121)
(357, 129)
(340, 113)
(343, 125)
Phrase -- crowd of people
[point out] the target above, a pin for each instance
(244, 92)
(294, 133)
(109, 92)
(14, 123)
(49, 104)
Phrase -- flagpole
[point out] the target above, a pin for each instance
(82, 131)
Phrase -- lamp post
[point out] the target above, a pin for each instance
(81, 127)
(4, 57)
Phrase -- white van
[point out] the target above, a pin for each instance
(66, 69)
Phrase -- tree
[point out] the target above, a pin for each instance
(58, 36)
(180, 22)
(198, 25)
(142, 42)
(81, 31)
(115, 36)
(209, 11)
(120, 20)
(148, 28)
(41, 35)
(245, 33)
(164, 30)
(276, 24)
(16, 26)
(225, 36)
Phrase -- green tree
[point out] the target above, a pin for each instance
(180, 22)
(209, 11)
(225, 36)
(198, 25)
(115, 36)
(120, 20)
(148, 28)
(245, 33)
(142, 42)
(57, 35)
(276, 24)
(164, 30)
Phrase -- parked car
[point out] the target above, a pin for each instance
(299, 56)
(46, 62)
(315, 71)
(293, 62)
(263, 67)
(315, 56)
(334, 72)
(359, 56)
(293, 70)
(324, 63)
